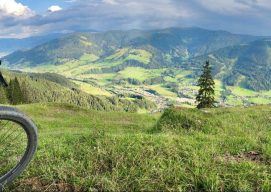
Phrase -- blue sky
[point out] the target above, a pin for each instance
(24, 18)
(41, 6)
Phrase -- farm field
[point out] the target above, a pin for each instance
(171, 85)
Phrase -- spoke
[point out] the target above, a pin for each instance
(13, 143)
(3, 123)
(5, 129)
(8, 135)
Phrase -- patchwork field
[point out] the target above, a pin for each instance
(102, 76)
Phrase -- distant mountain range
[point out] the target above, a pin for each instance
(9, 45)
(179, 44)
(237, 59)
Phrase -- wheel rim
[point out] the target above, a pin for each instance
(13, 146)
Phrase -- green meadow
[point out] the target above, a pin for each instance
(99, 83)
(99, 75)
(223, 149)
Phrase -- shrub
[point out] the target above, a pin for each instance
(184, 119)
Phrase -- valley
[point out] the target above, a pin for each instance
(160, 65)
(134, 95)
(179, 89)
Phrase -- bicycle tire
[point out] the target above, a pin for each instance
(11, 114)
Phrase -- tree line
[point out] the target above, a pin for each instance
(24, 89)
(12, 94)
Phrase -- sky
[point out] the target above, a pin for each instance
(26, 18)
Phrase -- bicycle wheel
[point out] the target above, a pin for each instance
(18, 143)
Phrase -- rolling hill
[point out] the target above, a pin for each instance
(159, 65)
(248, 65)
(165, 46)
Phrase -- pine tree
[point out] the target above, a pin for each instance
(3, 95)
(25, 92)
(205, 97)
(15, 95)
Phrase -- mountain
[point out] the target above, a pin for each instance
(165, 46)
(8, 45)
(159, 65)
(248, 64)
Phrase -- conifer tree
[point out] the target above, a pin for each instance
(205, 97)
(25, 92)
(3, 95)
(14, 92)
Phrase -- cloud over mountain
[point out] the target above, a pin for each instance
(238, 16)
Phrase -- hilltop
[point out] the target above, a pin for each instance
(82, 150)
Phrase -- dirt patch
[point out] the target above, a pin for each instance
(61, 187)
(252, 156)
(36, 184)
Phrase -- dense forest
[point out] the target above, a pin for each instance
(43, 88)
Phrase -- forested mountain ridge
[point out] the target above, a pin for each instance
(248, 65)
(167, 46)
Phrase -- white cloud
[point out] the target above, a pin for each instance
(225, 7)
(235, 7)
(54, 8)
(70, 1)
(112, 2)
(114, 14)
(240, 16)
(264, 4)
(12, 8)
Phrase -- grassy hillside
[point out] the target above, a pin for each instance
(80, 150)
(53, 88)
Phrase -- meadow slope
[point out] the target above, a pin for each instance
(81, 150)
